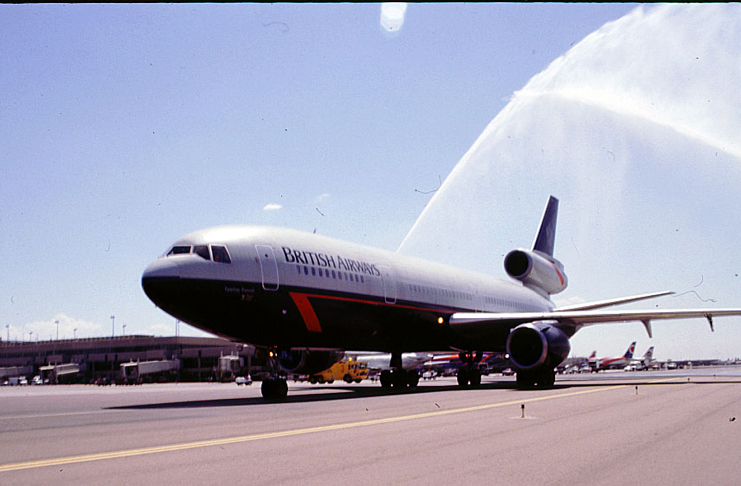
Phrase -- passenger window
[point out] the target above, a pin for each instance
(220, 254)
(178, 250)
(202, 251)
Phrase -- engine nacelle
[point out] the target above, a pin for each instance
(306, 362)
(537, 344)
(536, 270)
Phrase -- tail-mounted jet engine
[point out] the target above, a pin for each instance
(536, 349)
(307, 362)
(536, 270)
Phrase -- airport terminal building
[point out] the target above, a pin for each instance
(128, 359)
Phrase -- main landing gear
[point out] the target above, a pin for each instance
(543, 377)
(397, 377)
(469, 373)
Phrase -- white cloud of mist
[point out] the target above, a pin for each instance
(636, 131)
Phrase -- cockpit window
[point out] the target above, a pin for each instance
(202, 251)
(178, 250)
(220, 254)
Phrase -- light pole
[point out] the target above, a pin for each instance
(57, 322)
(113, 326)
(124, 330)
(74, 333)
(7, 328)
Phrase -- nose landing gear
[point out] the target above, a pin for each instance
(275, 387)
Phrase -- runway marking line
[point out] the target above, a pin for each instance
(287, 433)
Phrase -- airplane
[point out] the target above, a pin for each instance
(452, 361)
(622, 362)
(625, 359)
(306, 298)
(646, 362)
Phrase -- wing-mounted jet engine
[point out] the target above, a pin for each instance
(536, 349)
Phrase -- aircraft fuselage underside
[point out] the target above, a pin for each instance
(295, 317)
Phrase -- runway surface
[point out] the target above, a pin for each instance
(615, 428)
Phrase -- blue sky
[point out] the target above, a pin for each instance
(123, 127)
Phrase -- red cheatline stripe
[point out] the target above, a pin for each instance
(307, 312)
(371, 302)
(558, 273)
(312, 321)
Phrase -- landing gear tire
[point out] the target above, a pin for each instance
(412, 378)
(546, 378)
(525, 380)
(541, 378)
(399, 378)
(386, 379)
(468, 375)
(462, 376)
(474, 378)
(274, 389)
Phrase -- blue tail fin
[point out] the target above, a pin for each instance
(547, 232)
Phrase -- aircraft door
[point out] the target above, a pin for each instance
(268, 267)
(389, 284)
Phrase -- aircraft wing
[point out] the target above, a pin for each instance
(607, 303)
(478, 322)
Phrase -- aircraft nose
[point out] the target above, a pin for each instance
(156, 277)
(162, 267)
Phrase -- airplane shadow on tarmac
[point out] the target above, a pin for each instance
(298, 394)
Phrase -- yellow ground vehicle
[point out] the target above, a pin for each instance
(348, 371)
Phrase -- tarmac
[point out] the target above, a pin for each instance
(678, 427)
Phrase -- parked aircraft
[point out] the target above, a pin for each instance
(615, 362)
(646, 362)
(626, 361)
(308, 298)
